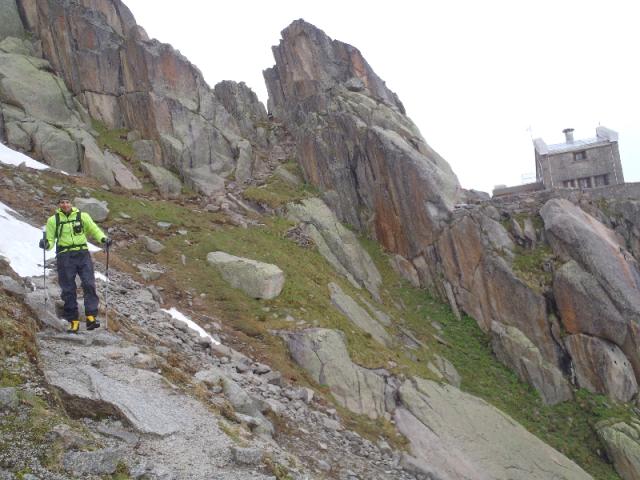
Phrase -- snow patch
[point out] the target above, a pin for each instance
(19, 244)
(192, 325)
(11, 157)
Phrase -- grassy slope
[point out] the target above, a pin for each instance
(567, 427)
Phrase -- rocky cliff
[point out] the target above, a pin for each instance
(95, 64)
(378, 174)
(356, 143)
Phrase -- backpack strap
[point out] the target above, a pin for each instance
(57, 232)
(59, 225)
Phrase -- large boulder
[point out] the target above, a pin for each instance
(244, 161)
(622, 441)
(514, 349)
(27, 82)
(453, 435)
(54, 146)
(585, 306)
(205, 180)
(168, 184)
(323, 354)
(10, 23)
(338, 245)
(601, 367)
(358, 315)
(576, 235)
(405, 269)
(86, 390)
(356, 143)
(256, 279)
(121, 174)
(94, 207)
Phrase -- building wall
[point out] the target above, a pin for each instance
(600, 167)
(518, 189)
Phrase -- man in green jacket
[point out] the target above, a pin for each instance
(67, 229)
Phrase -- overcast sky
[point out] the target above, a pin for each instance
(479, 79)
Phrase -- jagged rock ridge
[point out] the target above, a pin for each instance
(356, 143)
(115, 74)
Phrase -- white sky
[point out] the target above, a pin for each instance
(474, 76)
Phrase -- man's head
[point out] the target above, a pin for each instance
(64, 202)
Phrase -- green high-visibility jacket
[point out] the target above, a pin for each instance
(67, 239)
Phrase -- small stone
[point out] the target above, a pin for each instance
(384, 448)
(242, 368)
(261, 369)
(247, 456)
(331, 424)
(306, 394)
(152, 245)
(9, 398)
(164, 225)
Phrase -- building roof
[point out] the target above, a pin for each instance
(577, 145)
(604, 136)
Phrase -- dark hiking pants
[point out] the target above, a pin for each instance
(70, 264)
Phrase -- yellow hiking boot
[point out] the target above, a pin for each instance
(74, 326)
(92, 323)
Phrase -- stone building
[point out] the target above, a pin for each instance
(588, 163)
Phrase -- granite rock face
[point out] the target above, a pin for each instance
(474, 257)
(358, 315)
(323, 354)
(117, 75)
(598, 290)
(622, 441)
(356, 143)
(601, 367)
(453, 435)
(337, 244)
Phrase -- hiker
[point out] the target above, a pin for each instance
(68, 229)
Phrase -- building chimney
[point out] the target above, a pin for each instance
(568, 133)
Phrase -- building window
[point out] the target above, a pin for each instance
(569, 184)
(577, 156)
(584, 182)
(601, 180)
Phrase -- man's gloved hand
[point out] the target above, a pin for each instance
(44, 244)
(107, 241)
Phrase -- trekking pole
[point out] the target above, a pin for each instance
(44, 269)
(106, 293)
